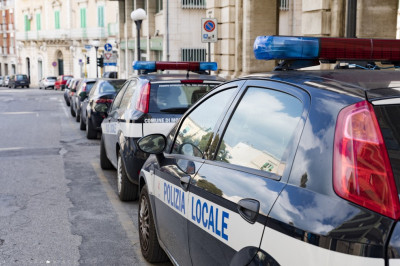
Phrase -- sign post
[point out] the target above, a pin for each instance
(209, 33)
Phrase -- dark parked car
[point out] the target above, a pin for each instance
(68, 85)
(95, 105)
(111, 75)
(148, 103)
(291, 167)
(18, 80)
(84, 86)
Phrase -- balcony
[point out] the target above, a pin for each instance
(63, 34)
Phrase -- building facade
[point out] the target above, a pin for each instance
(56, 37)
(8, 57)
(170, 32)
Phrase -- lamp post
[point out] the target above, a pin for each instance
(138, 15)
(96, 44)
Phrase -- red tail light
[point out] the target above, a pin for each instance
(104, 100)
(143, 102)
(362, 172)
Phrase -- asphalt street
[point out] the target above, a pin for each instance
(57, 206)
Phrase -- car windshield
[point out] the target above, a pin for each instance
(51, 78)
(176, 98)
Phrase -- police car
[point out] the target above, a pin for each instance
(148, 103)
(292, 167)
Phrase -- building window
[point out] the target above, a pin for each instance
(197, 4)
(27, 23)
(57, 19)
(159, 5)
(38, 22)
(83, 18)
(190, 54)
(284, 5)
(100, 16)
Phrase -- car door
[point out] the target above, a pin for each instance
(234, 190)
(109, 126)
(172, 176)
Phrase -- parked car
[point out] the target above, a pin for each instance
(111, 75)
(1, 81)
(84, 87)
(5, 81)
(95, 105)
(148, 103)
(68, 85)
(47, 82)
(61, 81)
(18, 80)
(291, 167)
(72, 92)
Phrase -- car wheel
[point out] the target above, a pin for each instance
(72, 111)
(104, 161)
(82, 125)
(126, 189)
(151, 249)
(78, 115)
(91, 133)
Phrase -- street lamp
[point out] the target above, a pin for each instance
(96, 44)
(138, 16)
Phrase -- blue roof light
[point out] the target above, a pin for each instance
(281, 47)
(208, 66)
(144, 65)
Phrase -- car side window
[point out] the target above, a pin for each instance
(260, 130)
(118, 98)
(130, 90)
(196, 131)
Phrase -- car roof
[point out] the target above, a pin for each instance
(372, 83)
(173, 77)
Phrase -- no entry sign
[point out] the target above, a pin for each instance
(209, 30)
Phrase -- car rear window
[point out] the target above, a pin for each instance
(89, 86)
(52, 78)
(21, 77)
(176, 98)
(388, 119)
(111, 86)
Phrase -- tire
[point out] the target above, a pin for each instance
(91, 133)
(151, 249)
(72, 111)
(127, 191)
(104, 161)
(78, 115)
(82, 125)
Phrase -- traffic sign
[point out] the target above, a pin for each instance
(209, 30)
(110, 58)
(88, 47)
(108, 47)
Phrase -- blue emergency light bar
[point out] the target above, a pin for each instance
(331, 49)
(152, 66)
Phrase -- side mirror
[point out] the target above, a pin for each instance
(153, 144)
(83, 95)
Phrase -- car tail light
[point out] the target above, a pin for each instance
(144, 97)
(362, 172)
(104, 100)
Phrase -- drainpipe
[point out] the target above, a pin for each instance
(167, 31)
(351, 18)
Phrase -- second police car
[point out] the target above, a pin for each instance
(290, 167)
(148, 103)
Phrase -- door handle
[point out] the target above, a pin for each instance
(185, 182)
(248, 209)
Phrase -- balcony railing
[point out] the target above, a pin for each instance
(63, 34)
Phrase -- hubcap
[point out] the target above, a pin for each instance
(144, 223)
(119, 175)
